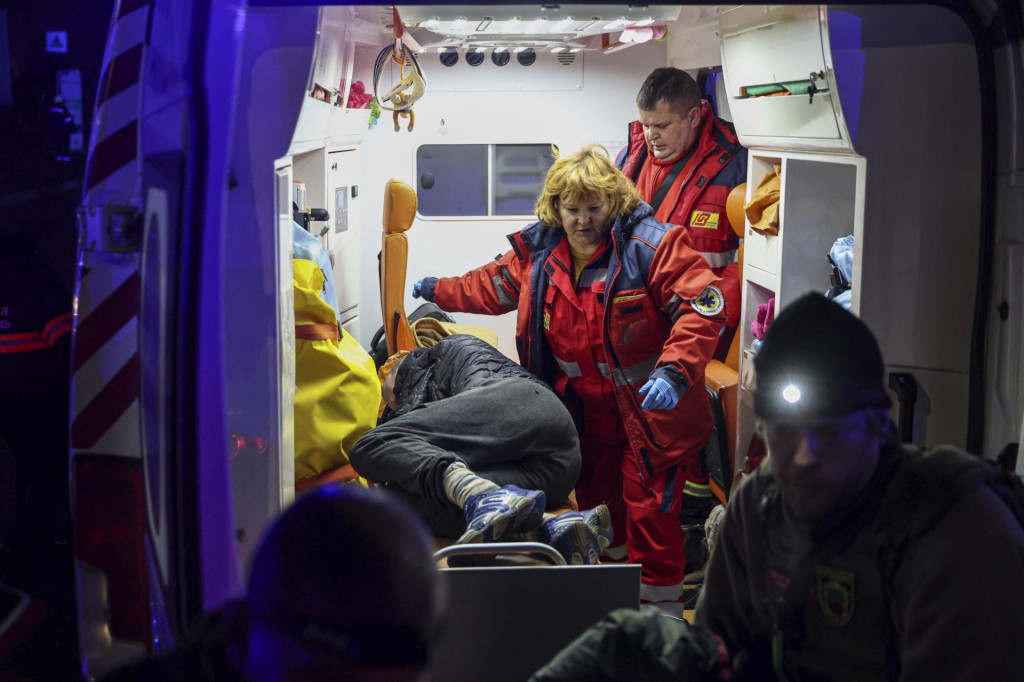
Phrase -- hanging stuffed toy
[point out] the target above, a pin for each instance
(403, 108)
(409, 89)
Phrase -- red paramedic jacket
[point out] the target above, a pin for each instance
(656, 282)
(696, 199)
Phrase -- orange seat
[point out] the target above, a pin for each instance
(399, 211)
(734, 209)
(722, 379)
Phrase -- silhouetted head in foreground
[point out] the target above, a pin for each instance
(343, 587)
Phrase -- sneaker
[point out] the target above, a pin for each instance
(579, 537)
(494, 516)
(600, 521)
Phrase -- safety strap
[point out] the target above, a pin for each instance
(317, 332)
(669, 180)
(340, 474)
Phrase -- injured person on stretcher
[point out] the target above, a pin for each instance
(481, 449)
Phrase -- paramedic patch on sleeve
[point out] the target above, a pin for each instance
(711, 302)
(704, 219)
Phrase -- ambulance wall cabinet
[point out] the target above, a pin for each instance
(821, 200)
(779, 77)
(898, 166)
(331, 173)
(347, 44)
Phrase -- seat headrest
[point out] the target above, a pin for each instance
(734, 208)
(399, 206)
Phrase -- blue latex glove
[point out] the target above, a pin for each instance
(421, 291)
(661, 395)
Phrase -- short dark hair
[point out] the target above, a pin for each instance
(669, 85)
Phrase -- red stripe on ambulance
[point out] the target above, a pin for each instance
(129, 6)
(111, 154)
(122, 73)
(108, 318)
(106, 408)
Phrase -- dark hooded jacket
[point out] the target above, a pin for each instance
(456, 364)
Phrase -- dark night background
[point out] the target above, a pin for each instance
(36, 192)
(40, 194)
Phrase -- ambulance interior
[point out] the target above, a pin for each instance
(890, 143)
(896, 124)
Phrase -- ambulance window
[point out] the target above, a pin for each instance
(480, 180)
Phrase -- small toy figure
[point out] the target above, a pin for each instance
(407, 91)
(403, 108)
(374, 111)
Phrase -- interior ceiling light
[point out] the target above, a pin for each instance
(575, 49)
(480, 49)
(646, 22)
(562, 25)
(584, 27)
(501, 49)
(484, 23)
(558, 49)
(458, 24)
(520, 49)
(537, 26)
(430, 23)
(511, 25)
(611, 26)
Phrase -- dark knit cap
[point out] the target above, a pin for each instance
(818, 359)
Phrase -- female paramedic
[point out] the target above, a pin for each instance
(620, 315)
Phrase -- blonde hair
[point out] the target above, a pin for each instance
(588, 171)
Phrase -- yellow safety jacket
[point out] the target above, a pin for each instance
(336, 387)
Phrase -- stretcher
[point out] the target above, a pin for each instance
(507, 621)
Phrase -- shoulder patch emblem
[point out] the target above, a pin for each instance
(710, 302)
(836, 594)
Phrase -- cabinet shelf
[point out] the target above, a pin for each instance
(821, 198)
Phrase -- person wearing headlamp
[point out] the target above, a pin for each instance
(850, 556)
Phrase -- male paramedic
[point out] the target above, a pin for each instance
(684, 161)
(846, 556)
(480, 447)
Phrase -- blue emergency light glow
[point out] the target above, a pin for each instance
(791, 394)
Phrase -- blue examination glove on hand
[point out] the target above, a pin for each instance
(661, 395)
(424, 288)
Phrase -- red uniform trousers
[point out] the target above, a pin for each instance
(644, 509)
